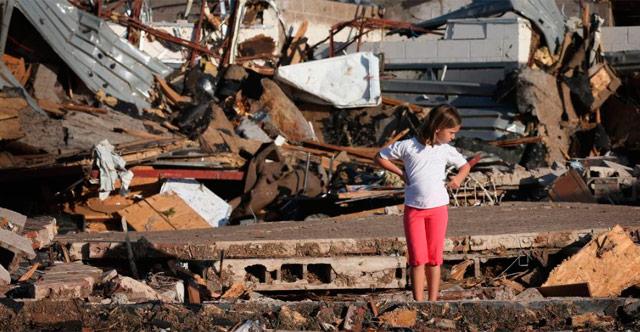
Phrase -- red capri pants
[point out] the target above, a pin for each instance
(425, 230)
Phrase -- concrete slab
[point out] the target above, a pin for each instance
(518, 225)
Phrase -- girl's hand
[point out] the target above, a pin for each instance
(454, 183)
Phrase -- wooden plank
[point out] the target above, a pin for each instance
(164, 211)
(363, 152)
(17, 68)
(10, 129)
(12, 103)
(193, 292)
(142, 217)
(516, 141)
(27, 275)
(570, 290)
(297, 46)
(603, 84)
(609, 263)
(171, 94)
(396, 102)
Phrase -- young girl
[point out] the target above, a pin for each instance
(425, 215)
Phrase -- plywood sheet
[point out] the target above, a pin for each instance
(165, 211)
(609, 264)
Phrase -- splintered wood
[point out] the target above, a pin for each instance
(609, 264)
(165, 211)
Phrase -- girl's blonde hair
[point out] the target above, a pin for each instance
(440, 117)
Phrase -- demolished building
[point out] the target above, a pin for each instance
(163, 134)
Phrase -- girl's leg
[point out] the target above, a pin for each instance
(417, 282)
(433, 281)
(436, 229)
(415, 233)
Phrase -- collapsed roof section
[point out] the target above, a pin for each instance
(93, 51)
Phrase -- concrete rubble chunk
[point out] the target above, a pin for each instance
(12, 220)
(41, 231)
(66, 281)
(108, 276)
(17, 244)
(609, 264)
(136, 291)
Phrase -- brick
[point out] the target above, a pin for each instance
(66, 281)
(41, 231)
(17, 244)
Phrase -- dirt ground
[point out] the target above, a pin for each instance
(544, 315)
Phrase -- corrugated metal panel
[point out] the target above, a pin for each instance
(95, 53)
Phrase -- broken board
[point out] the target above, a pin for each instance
(165, 211)
(609, 264)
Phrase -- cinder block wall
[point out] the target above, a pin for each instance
(474, 40)
(616, 39)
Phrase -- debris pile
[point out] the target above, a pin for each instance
(128, 117)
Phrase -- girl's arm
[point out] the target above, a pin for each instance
(455, 181)
(388, 165)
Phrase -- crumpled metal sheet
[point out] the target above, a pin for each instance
(544, 14)
(95, 53)
(348, 81)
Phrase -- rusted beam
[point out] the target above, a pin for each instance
(516, 141)
(370, 24)
(161, 173)
(131, 22)
(198, 32)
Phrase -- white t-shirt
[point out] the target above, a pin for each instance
(425, 170)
